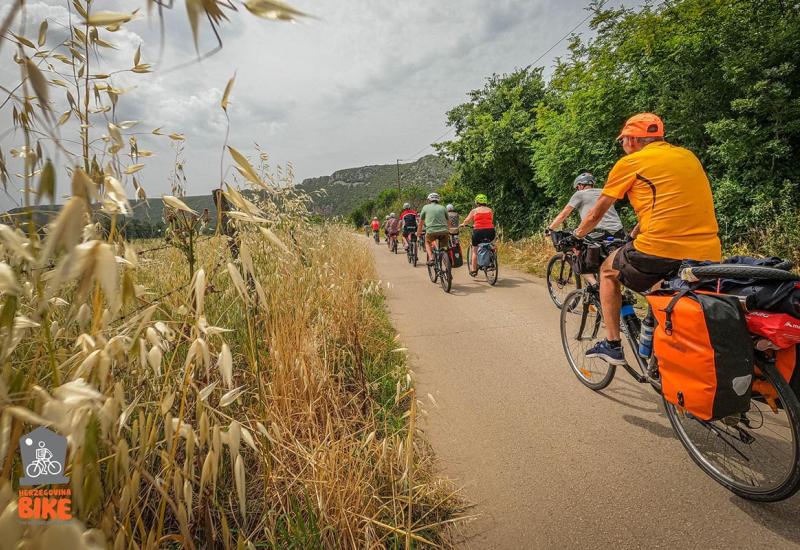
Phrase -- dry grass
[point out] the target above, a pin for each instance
(530, 254)
(260, 401)
(318, 451)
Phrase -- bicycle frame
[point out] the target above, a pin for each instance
(629, 329)
(569, 259)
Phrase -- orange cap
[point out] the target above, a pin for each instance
(643, 125)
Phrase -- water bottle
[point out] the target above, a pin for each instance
(627, 311)
(646, 336)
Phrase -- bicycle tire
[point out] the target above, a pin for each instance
(492, 270)
(445, 272)
(414, 254)
(34, 470)
(573, 299)
(735, 271)
(551, 282)
(469, 260)
(792, 407)
(433, 275)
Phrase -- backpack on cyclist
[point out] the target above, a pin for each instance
(456, 256)
(484, 254)
(704, 352)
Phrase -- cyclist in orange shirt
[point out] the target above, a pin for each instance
(482, 220)
(669, 190)
(376, 226)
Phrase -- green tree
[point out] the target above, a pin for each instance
(495, 130)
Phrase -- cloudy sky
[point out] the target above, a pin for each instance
(364, 82)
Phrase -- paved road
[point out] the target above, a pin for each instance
(547, 462)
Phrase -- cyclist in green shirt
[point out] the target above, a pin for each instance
(435, 222)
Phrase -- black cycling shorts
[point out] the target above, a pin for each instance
(483, 236)
(639, 271)
(408, 231)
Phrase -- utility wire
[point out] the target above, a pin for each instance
(560, 40)
(412, 157)
(550, 49)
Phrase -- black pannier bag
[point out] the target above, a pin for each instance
(590, 259)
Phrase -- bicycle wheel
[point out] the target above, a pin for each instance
(735, 271)
(54, 467)
(469, 260)
(445, 272)
(433, 275)
(34, 469)
(561, 279)
(491, 270)
(414, 255)
(581, 328)
(756, 454)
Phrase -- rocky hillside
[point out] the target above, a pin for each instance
(339, 193)
(334, 195)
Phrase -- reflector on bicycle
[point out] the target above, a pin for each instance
(704, 352)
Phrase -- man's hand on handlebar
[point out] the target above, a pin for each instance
(569, 241)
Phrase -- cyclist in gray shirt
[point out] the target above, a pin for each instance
(586, 194)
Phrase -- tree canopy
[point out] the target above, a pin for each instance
(722, 74)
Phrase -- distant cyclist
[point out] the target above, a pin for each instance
(393, 227)
(408, 223)
(452, 215)
(376, 227)
(670, 192)
(482, 220)
(433, 220)
(386, 228)
(584, 198)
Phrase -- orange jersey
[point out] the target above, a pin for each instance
(483, 219)
(669, 190)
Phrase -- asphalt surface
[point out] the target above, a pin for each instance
(547, 462)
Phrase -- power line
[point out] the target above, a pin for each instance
(411, 157)
(551, 48)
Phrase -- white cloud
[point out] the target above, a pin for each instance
(364, 83)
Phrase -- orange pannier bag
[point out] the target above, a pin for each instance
(704, 352)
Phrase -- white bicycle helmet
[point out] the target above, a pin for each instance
(391, 215)
(433, 197)
(450, 208)
(406, 206)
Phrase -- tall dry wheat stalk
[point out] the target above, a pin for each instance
(261, 402)
(530, 254)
